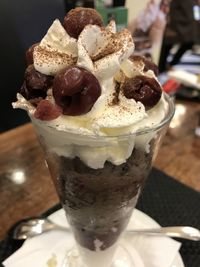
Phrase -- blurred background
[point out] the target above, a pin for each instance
(167, 32)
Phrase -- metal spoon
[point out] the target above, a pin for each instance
(36, 227)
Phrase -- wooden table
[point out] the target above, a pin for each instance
(26, 189)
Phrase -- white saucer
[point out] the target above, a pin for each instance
(138, 220)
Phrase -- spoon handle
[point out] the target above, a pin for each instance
(61, 228)
(184, 232)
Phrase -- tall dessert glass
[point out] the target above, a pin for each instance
(99, 201)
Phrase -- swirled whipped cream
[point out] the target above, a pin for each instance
(57, 98)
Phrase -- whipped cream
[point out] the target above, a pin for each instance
(105, 53)
(56, 51)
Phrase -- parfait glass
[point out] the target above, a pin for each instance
(99, 197)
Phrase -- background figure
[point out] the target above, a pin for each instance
(148, 28)
(157, 28)
(179, 30)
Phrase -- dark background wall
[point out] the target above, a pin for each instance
(22, 23)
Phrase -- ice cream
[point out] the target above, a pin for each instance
(97, 110)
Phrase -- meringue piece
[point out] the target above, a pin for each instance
(151, 74)
(84, 59)
(56, 51)
(23, 104)
(127, 44)
(58, 39)
(131, 68)
(105, 51)
(52, 62)
(108, 66)
(111, 27)
(100, 45)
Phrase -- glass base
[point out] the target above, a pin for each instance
(125, 256)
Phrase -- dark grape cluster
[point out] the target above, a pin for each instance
(47, 111)
(144, 89)
(75, 90)
(76, 19)
(35, 84)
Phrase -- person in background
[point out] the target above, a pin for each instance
(179, 30)
(157, 27)
(148, 28)
(145, 18)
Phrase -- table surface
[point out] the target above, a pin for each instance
(26, 188)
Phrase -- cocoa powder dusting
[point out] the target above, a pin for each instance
(115, 100)
(47, 55)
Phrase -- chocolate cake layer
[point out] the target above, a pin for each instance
(99, 202)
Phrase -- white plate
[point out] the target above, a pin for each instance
(52, 246)
(138, 220)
